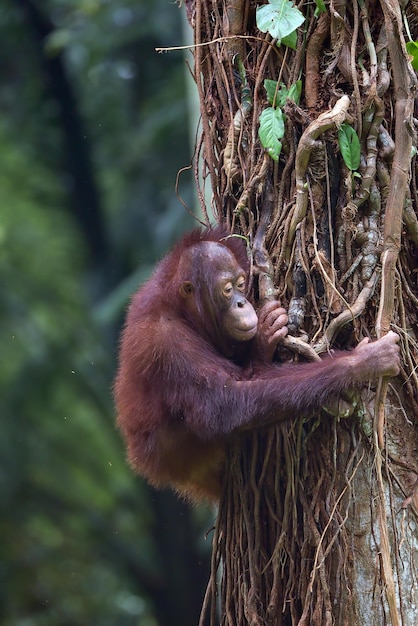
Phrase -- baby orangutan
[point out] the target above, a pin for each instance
(195, 366)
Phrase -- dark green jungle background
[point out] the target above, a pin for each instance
(94, 126)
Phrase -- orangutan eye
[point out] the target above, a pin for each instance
(241, 283)
(227, 290)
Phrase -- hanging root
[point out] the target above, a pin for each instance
(290, 533)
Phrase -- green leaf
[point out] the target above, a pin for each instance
(279, 17)
(277, 96)
(271, 131)
(350, 146)
(295, 91)
(320, 7)
(412, 49)
(290, 40)
(270, 86)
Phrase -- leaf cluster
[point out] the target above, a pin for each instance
(272, 119)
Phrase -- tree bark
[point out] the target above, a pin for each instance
(318, 520)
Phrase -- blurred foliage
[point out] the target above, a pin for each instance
(92, 134)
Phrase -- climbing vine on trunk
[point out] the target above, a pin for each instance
(307, 149)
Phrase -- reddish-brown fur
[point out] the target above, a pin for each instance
(184, 386)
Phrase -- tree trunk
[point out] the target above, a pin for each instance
(318, 519)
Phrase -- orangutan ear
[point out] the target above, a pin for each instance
(186, 289)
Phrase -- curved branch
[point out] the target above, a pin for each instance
(324, 122)
(405, 85)
(347, 315)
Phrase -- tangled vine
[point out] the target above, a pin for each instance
(339, 247)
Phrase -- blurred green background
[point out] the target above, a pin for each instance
(93, 130)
